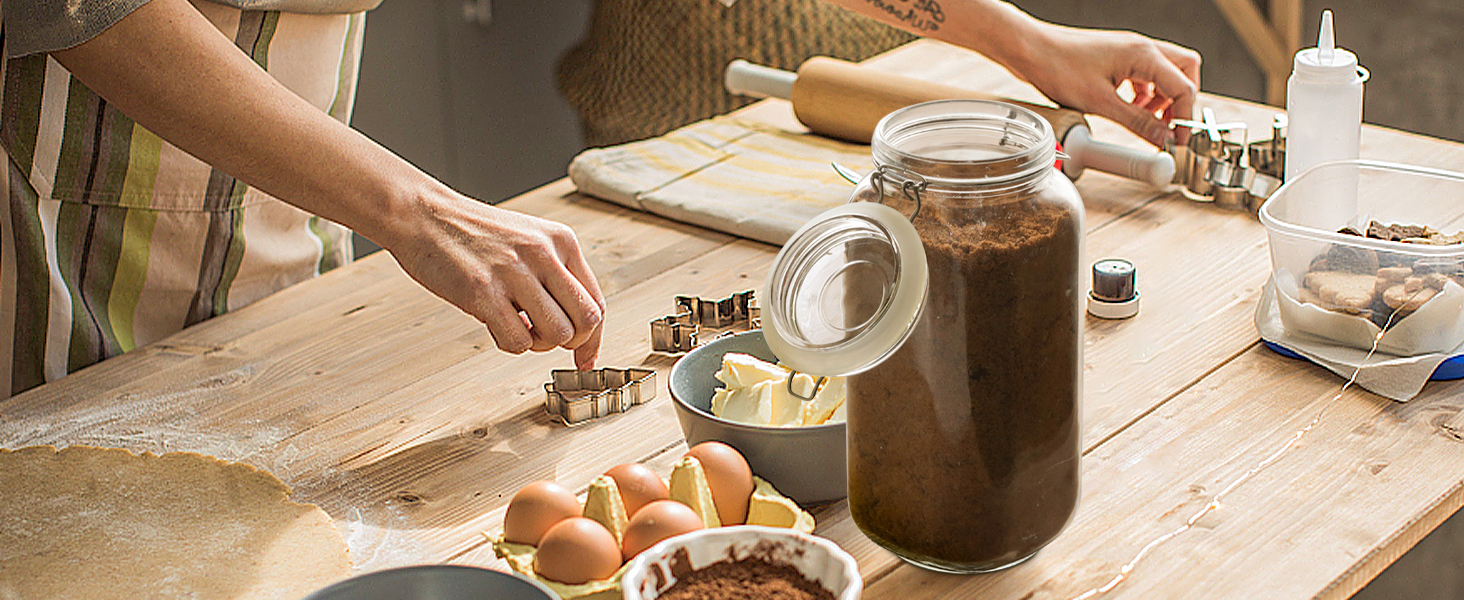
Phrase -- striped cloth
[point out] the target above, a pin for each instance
(743, 178)
(112, 238)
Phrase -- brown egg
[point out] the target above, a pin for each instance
(655, 522)
(536, 508)
(639, 486)
(577, 550)
(729, 477)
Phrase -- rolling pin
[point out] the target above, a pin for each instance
(842, 100)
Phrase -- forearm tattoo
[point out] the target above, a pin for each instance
(924, 16)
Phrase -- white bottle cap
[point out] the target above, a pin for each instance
(1326, 63)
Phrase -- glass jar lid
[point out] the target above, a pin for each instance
(845, 290)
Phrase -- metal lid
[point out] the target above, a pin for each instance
(845, 290)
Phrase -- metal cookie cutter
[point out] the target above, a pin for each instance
(1268, 158)
(578, 396)
(1210, 143)
(1232, 174)
(678, 332)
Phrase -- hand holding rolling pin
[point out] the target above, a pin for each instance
(1080, 69)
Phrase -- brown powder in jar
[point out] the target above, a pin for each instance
(749, 578)
(963, 444)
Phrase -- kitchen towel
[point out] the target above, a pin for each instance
(1397, 378)
(742, 178)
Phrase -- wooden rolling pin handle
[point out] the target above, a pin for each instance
(842, 100)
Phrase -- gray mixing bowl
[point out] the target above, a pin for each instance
(806, 464)
(436, 582)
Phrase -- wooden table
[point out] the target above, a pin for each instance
(392, 410)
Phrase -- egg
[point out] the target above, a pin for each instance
(639, 486)
(655, 522)
(729, 477)
(536, 508)
(577, 550)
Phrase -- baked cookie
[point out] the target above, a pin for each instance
(1342, 290)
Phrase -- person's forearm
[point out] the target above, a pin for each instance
(1074, 67)
(173, 72)
(168, 68)
(995, 29)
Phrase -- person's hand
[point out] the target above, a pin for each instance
(1083, 69)
(523, 276)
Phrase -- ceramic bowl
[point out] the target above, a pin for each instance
(649, 574)
(807, 464)
(435, 582)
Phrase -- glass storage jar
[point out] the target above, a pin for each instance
(949, 290)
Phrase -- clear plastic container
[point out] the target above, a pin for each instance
(949, 290)
(1303, 220)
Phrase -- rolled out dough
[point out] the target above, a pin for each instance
(103, 523)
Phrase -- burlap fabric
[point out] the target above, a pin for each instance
(646, 67)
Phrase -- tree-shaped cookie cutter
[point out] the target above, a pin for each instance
(678, 333)
(578, 396)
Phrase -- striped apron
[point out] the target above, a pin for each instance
(111, 238)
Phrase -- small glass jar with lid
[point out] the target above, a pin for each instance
(949, 291)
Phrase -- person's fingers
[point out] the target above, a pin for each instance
(1136, 118)
(1188, 63)
(1186, 59)
(1170, 82)
(1158, 82)
(1143, 93)
(506, 325)
(549, 326)
(1156, 104)
(525, 278)
(579, 309)
(575, 289)
(586, 354)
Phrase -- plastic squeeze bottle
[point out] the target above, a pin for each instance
(1323, 104)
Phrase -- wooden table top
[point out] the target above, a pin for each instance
(393, 411)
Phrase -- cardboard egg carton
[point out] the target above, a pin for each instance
(688, 485)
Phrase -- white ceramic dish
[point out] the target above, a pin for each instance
(820, 560)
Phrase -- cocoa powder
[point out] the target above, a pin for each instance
(749, 578)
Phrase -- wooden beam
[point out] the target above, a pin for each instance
(1266, 47)
(1286, 22)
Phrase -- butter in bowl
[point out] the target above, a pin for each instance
(807, 462)
(758, 392)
